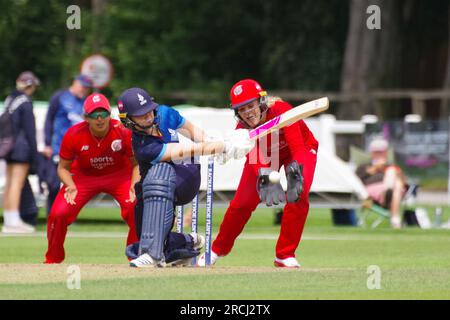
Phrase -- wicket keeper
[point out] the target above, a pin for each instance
(295, 148)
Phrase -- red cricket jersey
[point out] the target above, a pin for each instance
(293, 141)
(93, 156)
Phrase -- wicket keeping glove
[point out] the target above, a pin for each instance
(269, 193)
(294, 179)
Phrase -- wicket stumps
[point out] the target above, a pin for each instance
(209, 209)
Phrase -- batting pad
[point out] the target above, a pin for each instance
(158, 197)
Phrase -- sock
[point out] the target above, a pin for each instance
(11, 217)
(396, 221)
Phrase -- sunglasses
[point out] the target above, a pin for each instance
(101, 114)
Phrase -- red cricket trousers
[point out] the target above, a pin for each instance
(63, 214)
(247, 199)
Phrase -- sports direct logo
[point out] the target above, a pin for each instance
(101, 162)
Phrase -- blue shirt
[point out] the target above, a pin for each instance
(148, 149)
(64, 111)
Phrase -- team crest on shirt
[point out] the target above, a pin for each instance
(173, 134)
(116, 145)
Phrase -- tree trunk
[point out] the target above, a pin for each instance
(72, 49)
(387, 64)
(98, 10)
(356, 60)
(370, 56)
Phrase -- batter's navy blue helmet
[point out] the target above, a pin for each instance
(134, 102)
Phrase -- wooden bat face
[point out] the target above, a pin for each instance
(289, 117)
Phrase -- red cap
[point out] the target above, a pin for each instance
(96, 101)
(245, 91)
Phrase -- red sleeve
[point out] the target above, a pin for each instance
(255, 166)
(292, 133)
(66, 150)
(297, 136)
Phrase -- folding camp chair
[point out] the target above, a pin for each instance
(357, 157)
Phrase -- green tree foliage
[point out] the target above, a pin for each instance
(30, 41)
(178, 45)
(208, 45)
(304, 43)
(187, 45)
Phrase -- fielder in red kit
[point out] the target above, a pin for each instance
(293, 147)
(95, 156)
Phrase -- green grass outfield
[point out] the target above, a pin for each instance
(414, 263)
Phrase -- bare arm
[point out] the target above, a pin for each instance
(135, 177)
(196, 134)
(64, 172)
(176, 151)
(236, 146)
(66, 178)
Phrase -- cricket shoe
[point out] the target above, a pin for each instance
(198, 239)
(201, 262)
(22, 227)
(146, 261)
(290, 262)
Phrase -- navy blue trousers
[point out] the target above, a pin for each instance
(28, 208)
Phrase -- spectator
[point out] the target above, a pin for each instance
(384, 182)
(20, 210)
(65, 110)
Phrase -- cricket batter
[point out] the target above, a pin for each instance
(169, 175)
(295, 148)
(95, 156)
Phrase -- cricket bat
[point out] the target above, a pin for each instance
(302, 111)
